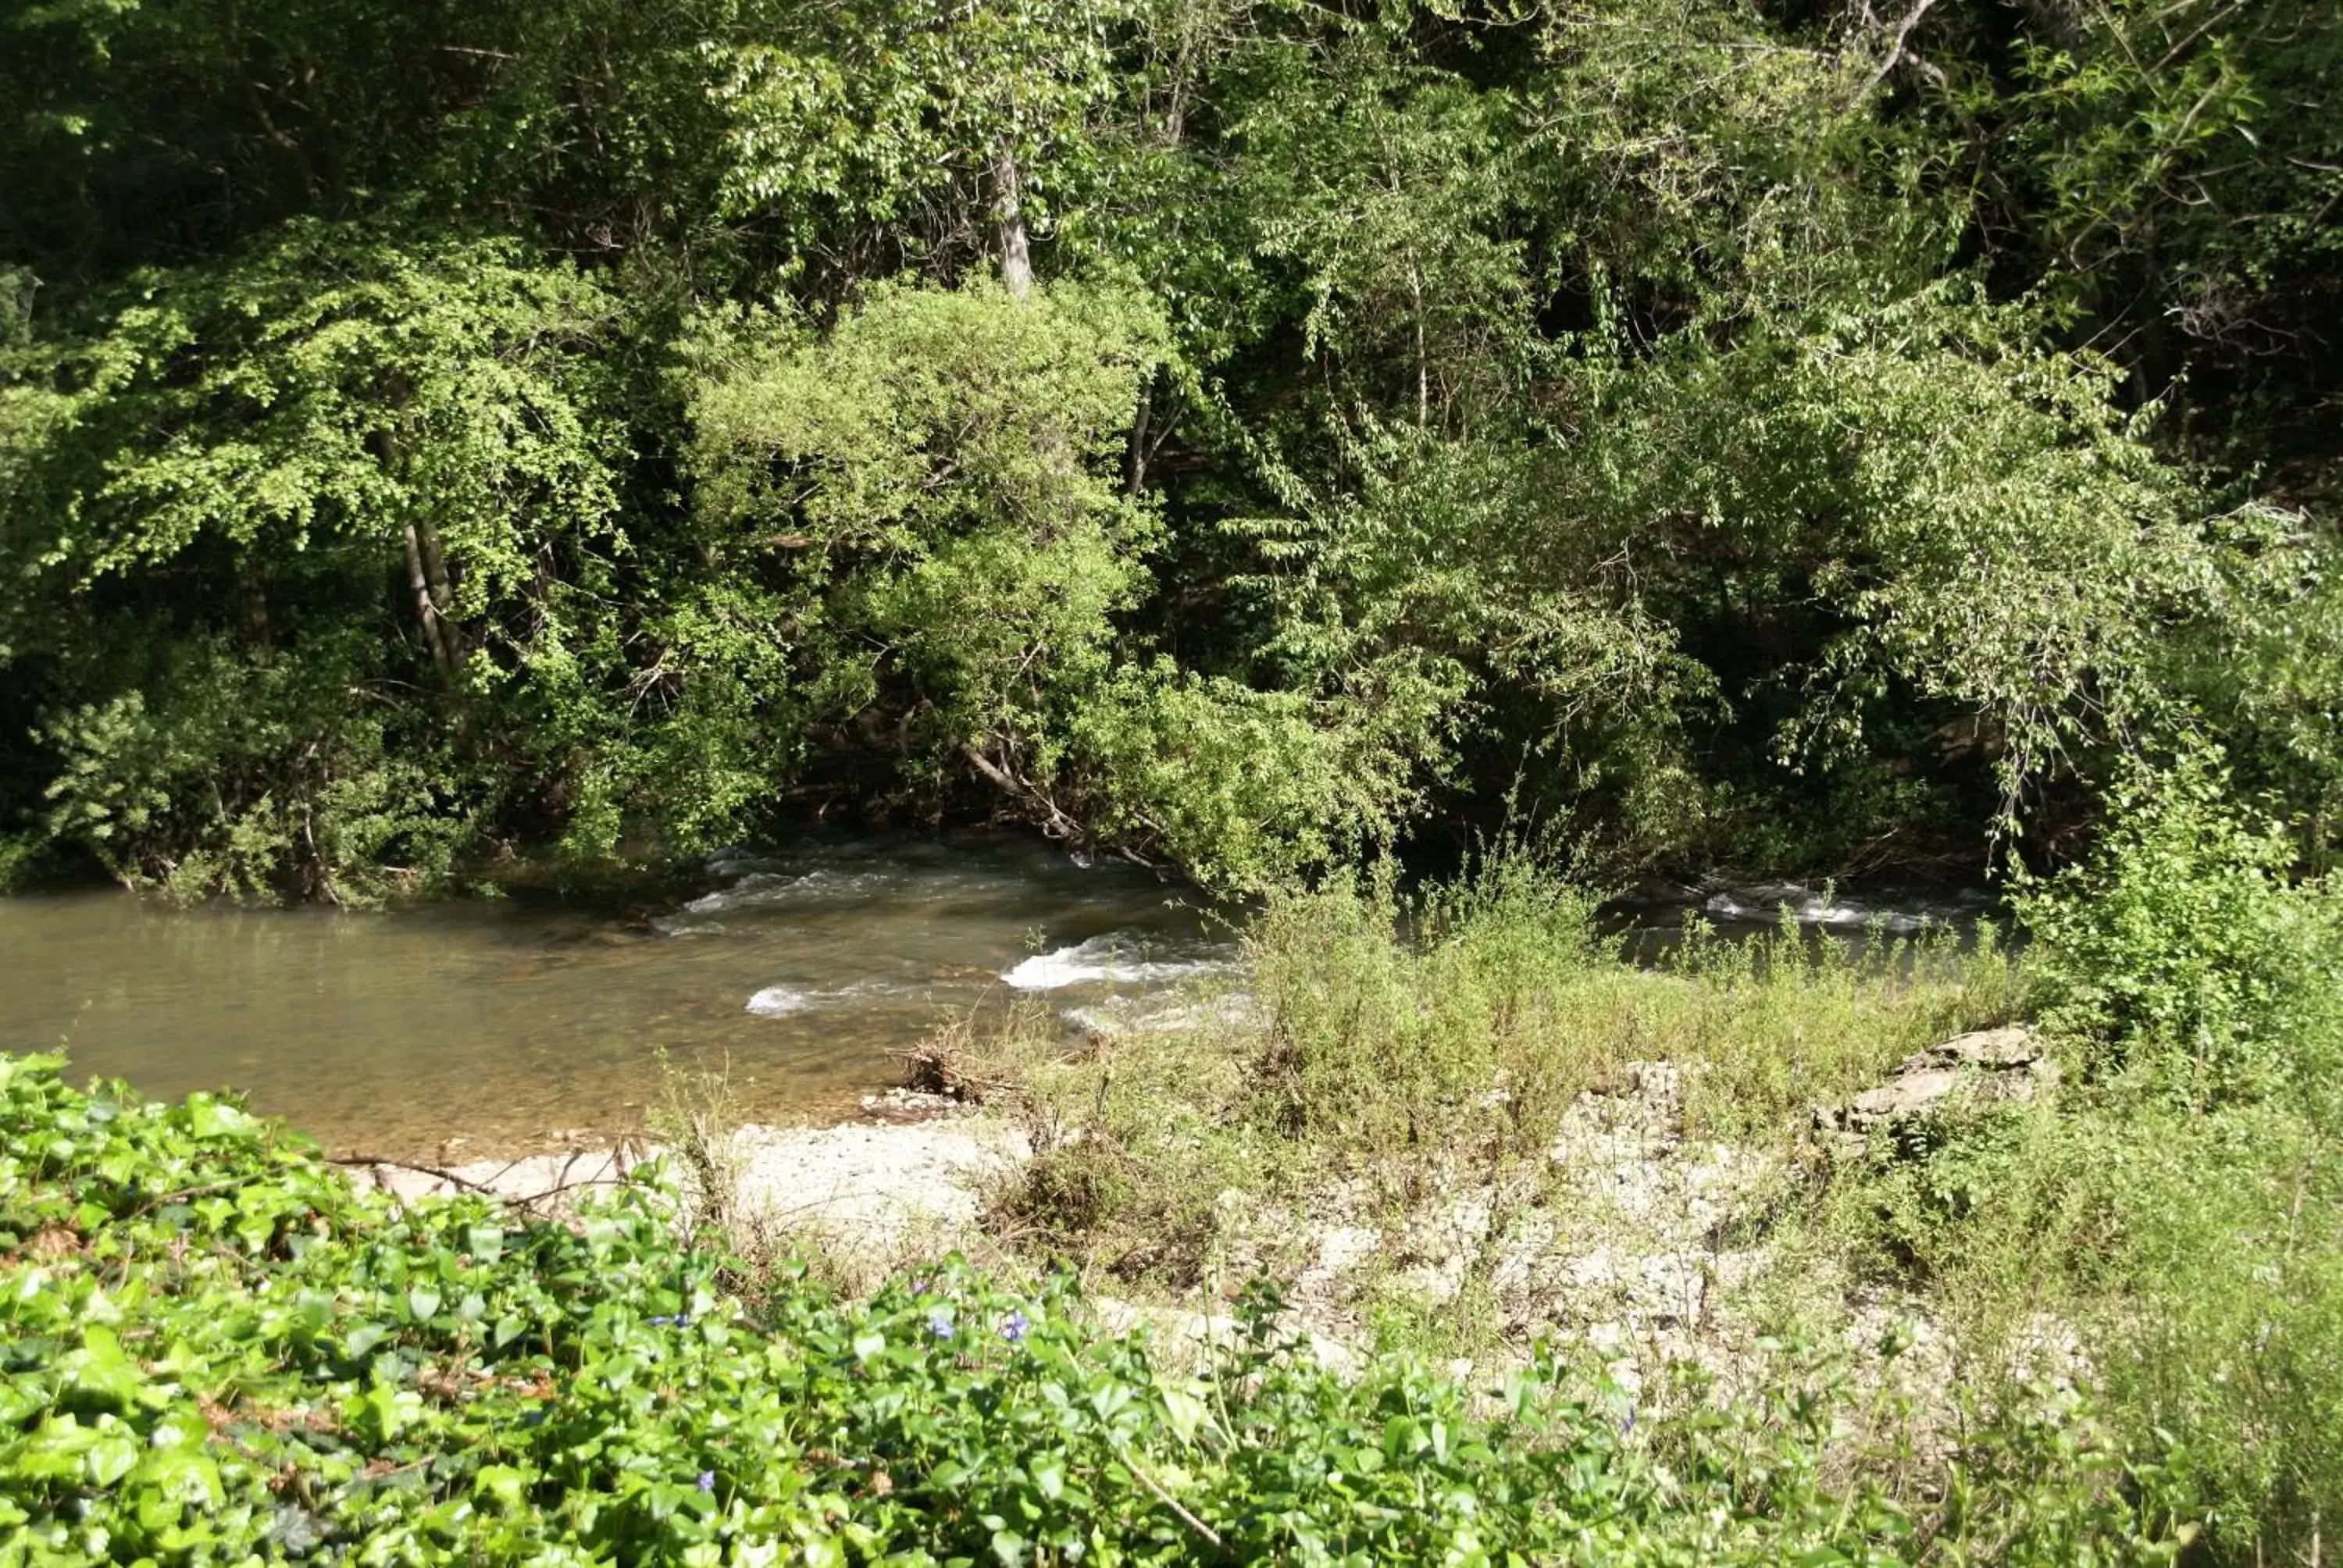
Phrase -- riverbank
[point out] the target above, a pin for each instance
(908, 1181)
(1884, 1218)
(1470, 1163)
(221, 1347)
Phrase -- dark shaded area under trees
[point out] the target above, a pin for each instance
(1809, 437)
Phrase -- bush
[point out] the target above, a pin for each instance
(2180, 951)
(2172, 1226)
(2188, 1264)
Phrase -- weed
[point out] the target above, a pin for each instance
(1401, 1066)
(2169, 1228)
(696, 1120)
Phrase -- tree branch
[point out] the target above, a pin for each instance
(1896, 45)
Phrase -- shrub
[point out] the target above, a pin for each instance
(2172, 1225)
(2180, 951)
(2189, 1264)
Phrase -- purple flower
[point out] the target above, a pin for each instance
(674, 1320)
(707, 1481)
(940, 1324)
(1013, 1327)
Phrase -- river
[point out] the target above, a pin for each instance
(494, 1025)
(474, 1027)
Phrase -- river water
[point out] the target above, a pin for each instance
(498, 1025)
(507, 1024)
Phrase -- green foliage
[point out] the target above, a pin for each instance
(1408, 1040)
(935, 476)
(1921, 513)
(2185, 1261)
(1438, 584)
(1806, 438)
(938, 454)
(444, 386)
(20, 862)
(1389, 189)
(2180, 168)
(417, 436)
(1174, 762)
(903, 112)
(2277, 684)
(218, 1349)
(1390, 1018)
(2183, 953)
(2170, 1223)
(929, 475)
(220, 773)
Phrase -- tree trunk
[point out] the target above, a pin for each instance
(1135, 465)
(1016, 253)
(252, 598)
(426, 577)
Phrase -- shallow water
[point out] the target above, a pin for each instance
(1653, 923)
(467, 1028)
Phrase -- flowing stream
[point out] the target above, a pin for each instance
(481, 1026)
(488, 1026)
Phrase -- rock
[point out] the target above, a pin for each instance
(904, 1106)
(1990, 1067)
(1992, 1047)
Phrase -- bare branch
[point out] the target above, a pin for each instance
(1895, 55)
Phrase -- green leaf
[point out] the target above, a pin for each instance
(1184, 1408)
(100, 1371)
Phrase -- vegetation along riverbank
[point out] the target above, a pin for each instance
(1749, 436)
(1477, 1244)
(501, 447)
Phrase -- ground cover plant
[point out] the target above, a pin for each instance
(218, 1351)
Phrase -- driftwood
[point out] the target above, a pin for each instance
(613, 1166)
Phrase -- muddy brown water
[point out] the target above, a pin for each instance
(485, 1026)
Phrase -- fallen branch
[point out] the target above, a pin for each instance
(1122, 1455)
(360, 1162)
(617, 1166)
(1054, 822)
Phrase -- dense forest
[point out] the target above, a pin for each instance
(1778, 436)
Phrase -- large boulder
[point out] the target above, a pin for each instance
(1990, 1067)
